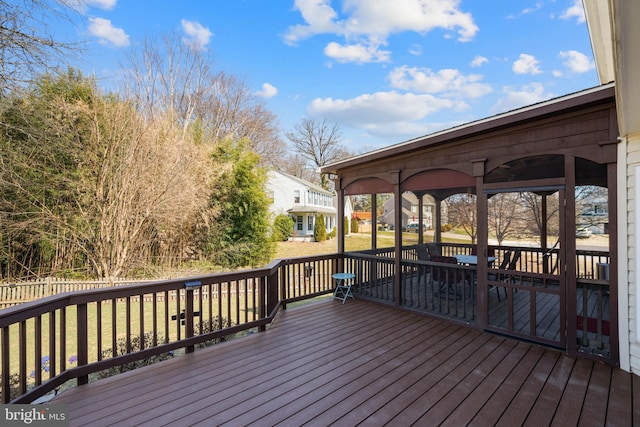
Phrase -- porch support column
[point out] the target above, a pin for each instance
(397, 197)
(614, 283)
(437, 233)
(482, 218)
(568, 218)
(374, 222)
(544, 233)
(340, 218)
(420, 196)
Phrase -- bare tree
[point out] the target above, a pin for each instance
(173, 79)
(318, 143)
(533, 217)
(297, 166)
(27, 44)
(462, 213)
(504, 209)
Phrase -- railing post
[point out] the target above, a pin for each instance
(188, 311)
(272, 291)
(283, 272)
(82, 341)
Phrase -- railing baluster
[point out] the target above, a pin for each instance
(154, 317)
(114, 326)
(38, 349)
(82, 340)
(52, 344)
(6, 374)
(166, 317)
(99, 330)
(128, 324)
(22, 345)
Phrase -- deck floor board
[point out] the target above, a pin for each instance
(365, 364)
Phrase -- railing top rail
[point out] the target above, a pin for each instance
(11, 315)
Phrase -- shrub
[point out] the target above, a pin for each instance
(282, 228)
(354, 225)
(446, 227)
(147, 341)
(217, 324)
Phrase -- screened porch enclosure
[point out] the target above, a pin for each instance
(552, 287)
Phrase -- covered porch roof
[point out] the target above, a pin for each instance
(504, 123)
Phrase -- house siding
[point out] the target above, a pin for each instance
(629, 294)
(628, 298)
(301, 200)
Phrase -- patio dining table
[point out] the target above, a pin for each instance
(472, 259)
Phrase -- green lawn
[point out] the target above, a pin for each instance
(357, 242)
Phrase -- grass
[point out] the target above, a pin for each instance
(241, 314)
(357, 242)
(290, 249)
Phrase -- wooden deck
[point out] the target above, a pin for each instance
(363, 364)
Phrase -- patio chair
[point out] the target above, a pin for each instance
(445, 276)
(423, 253)
(497, 277)
(423, 270)
(434, 249)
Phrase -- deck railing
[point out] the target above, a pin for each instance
(445, 290)
(75, 336)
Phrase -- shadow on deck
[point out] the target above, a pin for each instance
(329, 363)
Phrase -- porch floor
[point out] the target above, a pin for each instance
(362, 363)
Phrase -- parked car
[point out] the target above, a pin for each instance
(583, 233)
(413, 227)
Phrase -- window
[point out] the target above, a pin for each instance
(299, 223)
(296, 199)
(309, 223)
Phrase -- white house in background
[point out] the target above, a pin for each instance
(410, 210)
(301, 200)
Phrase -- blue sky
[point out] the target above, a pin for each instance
(385, 70)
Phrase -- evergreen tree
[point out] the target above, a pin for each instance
(320, 230)
(282, 228)
(239, 237)
(354, 225)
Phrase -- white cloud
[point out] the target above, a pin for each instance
(449, 82)
(369, 23)
(516, 98)
(415, 50)
(83, 5)
(378, 108)
(198, 35)
(103, 4)
(529, 10)
(577, 62)
(356, 53)
(575, 11)
(526, 64)
(478, 61)
(107, 33)
(268, 91)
